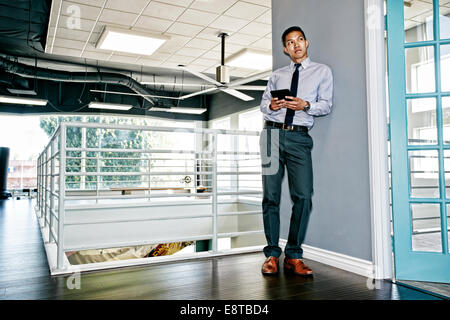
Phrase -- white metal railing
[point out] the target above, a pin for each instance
(69, 174)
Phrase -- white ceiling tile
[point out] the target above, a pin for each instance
(152, 24)
(205, 62)
(242, 39)
(265, 17)
(95, 3)
(159, 55)
(71, 34)
(117, 17)
(266, 3)
(86, 11)
(175, 43)
(176, 58)
(66, 52)
(263, 43)
(210, 34)
(68, 43)
(213, 55)
(171, 65)
(181, 3)
(163, 11)
(185, 29)
(245, 10)
(201, 44)
(148, 62)
(225, 23)
(123, 58)
(133, 6)
(216, 6)
(96, 55)
(197, 17)
(256, 29)
(230, 48)
(68, 23)
(191, 52)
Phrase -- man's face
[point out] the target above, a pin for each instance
(296, 46)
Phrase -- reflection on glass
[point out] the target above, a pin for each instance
(445, 68)
(446, 118)
(420, 76)
(418, 21)
(444, 19)
(426, 227)
(422, 121)
(424, 173)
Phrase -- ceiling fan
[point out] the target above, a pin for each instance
(222, 81)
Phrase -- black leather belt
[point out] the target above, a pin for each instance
(291, 127)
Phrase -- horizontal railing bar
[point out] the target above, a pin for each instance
(136, 243)
(161, 129)
(238, 193)
(239, 172)
(140, 219)
(181, 173)
(236, 234)
(240, 213)
(143, 159)
(135, 150)
(152, 195)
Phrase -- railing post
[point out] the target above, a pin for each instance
(214, 189)
(52, 190)
(37, 184)
(45, 185)
(62, 189)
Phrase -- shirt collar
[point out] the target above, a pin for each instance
(305, 63)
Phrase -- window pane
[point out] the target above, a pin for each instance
(424, 173)
(446, 118)
(420, 76)
(418, 21)
(445, 67)
(444, 19)
(447, 172)
(422, 121)
(426, 227)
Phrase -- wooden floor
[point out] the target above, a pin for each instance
(24, 274)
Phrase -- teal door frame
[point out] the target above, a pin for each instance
(409, 264)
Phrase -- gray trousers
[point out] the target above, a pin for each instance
(282, 149)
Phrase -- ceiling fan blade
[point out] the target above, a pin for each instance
(250, 88)
(201, 76)
(238, 94)
(197, 93)
(249, 79)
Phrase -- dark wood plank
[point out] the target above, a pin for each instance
(24, 274)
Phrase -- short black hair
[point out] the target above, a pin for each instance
(289, 30)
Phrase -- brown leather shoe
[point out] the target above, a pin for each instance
(297, 266)
(270, 266)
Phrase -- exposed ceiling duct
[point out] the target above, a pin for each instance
(81, 77)
(23, 25)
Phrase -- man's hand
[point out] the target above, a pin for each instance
(296, 103)
(276, 104)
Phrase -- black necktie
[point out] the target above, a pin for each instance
(294, 84)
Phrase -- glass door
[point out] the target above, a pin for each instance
(418, 43)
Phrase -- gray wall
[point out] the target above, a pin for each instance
(340, 220)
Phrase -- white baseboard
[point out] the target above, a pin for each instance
(338, 260)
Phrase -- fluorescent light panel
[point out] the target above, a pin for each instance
(110, 106)
(19, 100)
(250, 59)
(123, 40)
(180, 110)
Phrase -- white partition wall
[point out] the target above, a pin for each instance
(113, 186)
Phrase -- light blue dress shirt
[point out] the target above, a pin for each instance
(315, 85)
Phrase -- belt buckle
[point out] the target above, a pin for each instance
(287, 127)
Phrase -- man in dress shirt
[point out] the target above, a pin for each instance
(285, 142)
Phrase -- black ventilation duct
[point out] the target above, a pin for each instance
(81, 77)
(23, 25)
(4, 160)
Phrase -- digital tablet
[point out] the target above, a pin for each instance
(280, 94)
